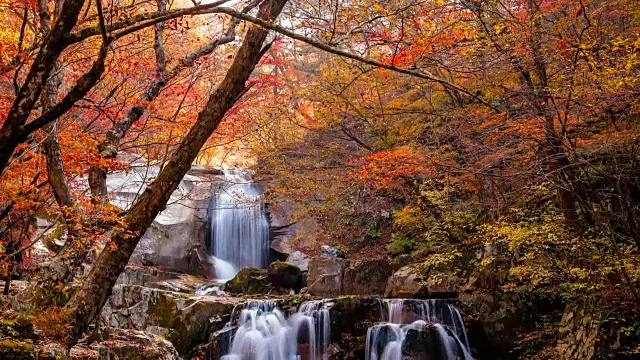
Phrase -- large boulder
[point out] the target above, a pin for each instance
(407, 282)
(184, 320)
(326, 275)
(176, 240)
(299, 259)
(249, 281)
(366, 277)
(285, 276)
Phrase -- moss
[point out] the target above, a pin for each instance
(11, 349)
(249, 281)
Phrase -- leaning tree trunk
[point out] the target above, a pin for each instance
(108, 148)
(86, 303)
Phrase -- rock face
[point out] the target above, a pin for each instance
(333, 276)
(366, 277)
(285, 230)
(285, 276)
(127, 344)
(406, 283)
(326, 276)
(578, 334)
(157, 279)
(176, 241)
(184, 320)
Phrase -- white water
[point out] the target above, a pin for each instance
(264, 333)
(224, 270)
(239, 225)
(385, 340)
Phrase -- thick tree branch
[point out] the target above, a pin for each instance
(419, 74)
(84, 84)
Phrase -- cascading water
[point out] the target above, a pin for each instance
(239, 225)
(264, 333)
(439, 319)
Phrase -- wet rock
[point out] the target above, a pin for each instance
(299, 259)
(285, 276)
(366, 277)
(184, 320)
(249, 281)
(422, 343)
(326, 276)
(407, 282)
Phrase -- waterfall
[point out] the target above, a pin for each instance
(441, 321)
(264, 333)
(239, 225)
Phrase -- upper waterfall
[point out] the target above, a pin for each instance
(239, 225)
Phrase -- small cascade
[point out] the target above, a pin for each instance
(435, 325)
(239, 225)
(318, 310)
(263, 332)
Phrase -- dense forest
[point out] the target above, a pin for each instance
(490, 146)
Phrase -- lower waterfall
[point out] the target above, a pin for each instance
(407, 329)
(437, 323)
(264, 333)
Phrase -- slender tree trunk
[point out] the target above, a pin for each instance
(12, 132)
(51, 143)
(62, 267)
(89, 299)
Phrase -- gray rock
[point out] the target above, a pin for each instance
(326, 276)
(406, 282)
(126, 344)
(299, 259)
(184, 320)
(329, 251)
(366, 277)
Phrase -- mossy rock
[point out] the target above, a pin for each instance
(285, 276)
(249, 281)
(15, 349)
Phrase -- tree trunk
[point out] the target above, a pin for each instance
(12, 132)
(51, 143)
(108, 148)
(89, 299)
(61, 268)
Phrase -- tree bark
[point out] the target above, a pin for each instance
(108, 148)
(11, 133)
(51, 143)
(89, 299)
